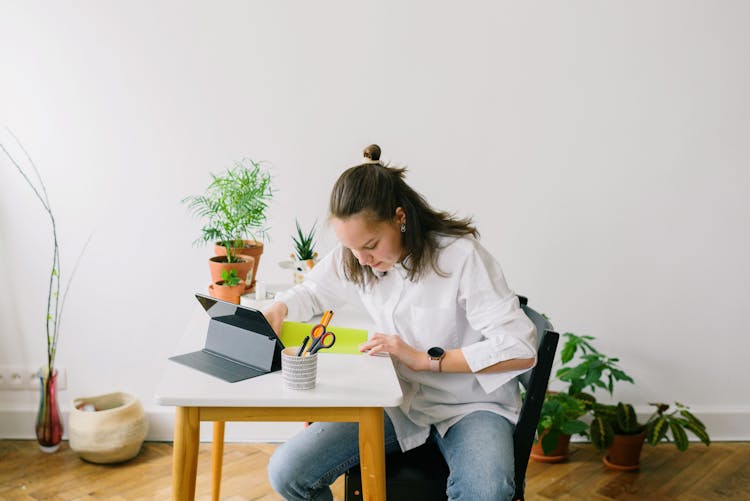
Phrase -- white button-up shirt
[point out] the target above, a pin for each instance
(471, 308)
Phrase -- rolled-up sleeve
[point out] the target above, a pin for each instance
(493, 310)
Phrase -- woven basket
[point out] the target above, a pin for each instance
(111, 434)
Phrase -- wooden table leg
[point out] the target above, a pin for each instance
(217, 459)
(185, 455)
(372, 453)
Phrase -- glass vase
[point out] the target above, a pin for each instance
(49, 427)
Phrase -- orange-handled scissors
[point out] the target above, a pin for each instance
(319, 330)
(324, 341)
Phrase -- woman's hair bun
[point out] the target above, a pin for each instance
(372, 152)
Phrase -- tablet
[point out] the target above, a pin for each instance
(240, 343)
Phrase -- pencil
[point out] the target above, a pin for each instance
(326, 318)
(304, 345)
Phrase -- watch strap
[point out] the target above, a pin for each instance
(435, 364)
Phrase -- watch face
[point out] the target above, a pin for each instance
(435, 352)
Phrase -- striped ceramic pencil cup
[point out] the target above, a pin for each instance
(298, 373)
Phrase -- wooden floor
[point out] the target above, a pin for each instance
(721, 472)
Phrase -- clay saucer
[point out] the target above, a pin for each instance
(619, 467)
(542, 458)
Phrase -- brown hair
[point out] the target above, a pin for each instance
(376, 191)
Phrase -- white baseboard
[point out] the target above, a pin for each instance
(723, 425)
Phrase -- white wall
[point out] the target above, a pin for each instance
(601, 146)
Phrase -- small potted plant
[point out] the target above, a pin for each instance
(304, 257)
(559, 420)
(616, 429)
(590, 370)
(234, 213)
(229, 288)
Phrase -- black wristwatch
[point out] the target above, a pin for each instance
(436, 355)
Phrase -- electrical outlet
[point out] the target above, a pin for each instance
(16, 377)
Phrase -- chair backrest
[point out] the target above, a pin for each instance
(542, 325)
(535, 382)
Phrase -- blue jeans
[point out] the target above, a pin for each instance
(478, 450)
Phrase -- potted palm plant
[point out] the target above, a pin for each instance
(616, 429)
(233, 211)
(583, 367)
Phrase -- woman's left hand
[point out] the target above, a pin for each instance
(396, 347)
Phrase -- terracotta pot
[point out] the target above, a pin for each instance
(558, 454)
(226, 293)
(243, 267)
(625, 452)
(251, 248)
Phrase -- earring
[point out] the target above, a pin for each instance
(403, 227)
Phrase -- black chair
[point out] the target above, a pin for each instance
(421, 474)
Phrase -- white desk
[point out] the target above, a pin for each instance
(349, 388)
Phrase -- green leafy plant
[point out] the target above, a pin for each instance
(676, 423)
(610, 420)
(303, 243)
(230, 278)
(234, 206)
(593, 370)
(55, 303)
(560, 413)
(582, 367)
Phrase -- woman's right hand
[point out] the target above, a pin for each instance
(275, 314)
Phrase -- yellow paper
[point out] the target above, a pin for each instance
(347, 339)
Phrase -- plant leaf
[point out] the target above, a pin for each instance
(657, 430)
(586, 399)
(549, 441)
(566, 355)
(626, 418)
(574, 427)
(699, 432)
(679, 435)
(691, 418)
(602, 433)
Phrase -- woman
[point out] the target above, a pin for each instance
(443, 313)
